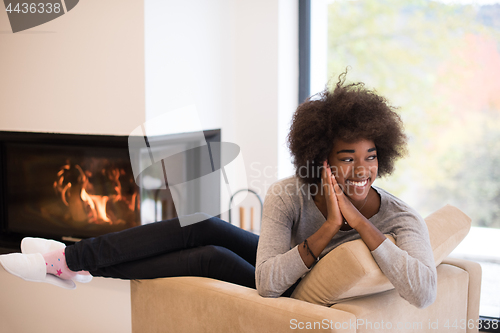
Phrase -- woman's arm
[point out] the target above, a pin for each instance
(368, 232)
(317, 242)
(279, 267)
(409, 264)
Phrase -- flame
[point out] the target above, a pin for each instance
(75, 190)
(97, 205)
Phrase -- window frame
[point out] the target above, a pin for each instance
(304, 50)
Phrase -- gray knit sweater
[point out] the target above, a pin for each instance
(290, 216)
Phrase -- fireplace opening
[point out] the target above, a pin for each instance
(63, 190)
(69, 186)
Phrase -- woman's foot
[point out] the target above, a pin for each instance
(41, 256)
(40, 245)
(56, 262)
(32, 267)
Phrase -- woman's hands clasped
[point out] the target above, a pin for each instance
(334, 215)
(339, 207)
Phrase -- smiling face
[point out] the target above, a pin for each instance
(355, 166)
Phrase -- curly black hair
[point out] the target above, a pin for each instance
(350, 113)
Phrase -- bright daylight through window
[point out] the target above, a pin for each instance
(439, 61)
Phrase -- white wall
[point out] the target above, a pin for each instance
(80, 73)
(288, 80)
(234, 59)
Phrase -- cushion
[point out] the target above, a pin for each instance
(447, 226)
(360, 275)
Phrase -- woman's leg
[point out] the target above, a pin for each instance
(155, 239)
(206, 261)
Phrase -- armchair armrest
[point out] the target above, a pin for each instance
(196, 304)
(474, 291)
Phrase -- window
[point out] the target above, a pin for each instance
(439, 61)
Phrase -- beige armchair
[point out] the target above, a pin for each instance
(195, 304)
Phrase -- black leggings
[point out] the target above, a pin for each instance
(212, 248)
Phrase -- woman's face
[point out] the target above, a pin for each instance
(355, 167)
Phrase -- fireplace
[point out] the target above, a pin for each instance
(70, 186)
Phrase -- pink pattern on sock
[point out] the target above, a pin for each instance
(56, 265)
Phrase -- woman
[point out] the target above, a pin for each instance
(342, 141)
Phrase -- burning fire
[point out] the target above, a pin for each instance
(97, 205)
(100, 203)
